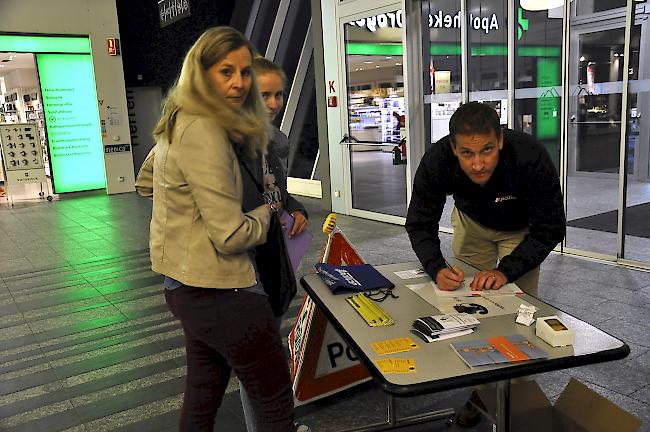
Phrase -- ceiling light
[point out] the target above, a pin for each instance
(615, 54)
(388, 57)
(539, 5)
(377, 66)
(582, 58)
(367, 62)
(398, 64)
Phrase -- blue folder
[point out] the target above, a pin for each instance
(352, 278)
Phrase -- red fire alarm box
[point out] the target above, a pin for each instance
(331, 101)
(113, 46)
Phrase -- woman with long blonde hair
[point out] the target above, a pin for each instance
(207, 219)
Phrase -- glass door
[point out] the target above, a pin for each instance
(375, 116)
(596, 54)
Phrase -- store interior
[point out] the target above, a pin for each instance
(20, 103)
(376, 97)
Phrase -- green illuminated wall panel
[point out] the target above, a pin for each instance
(72, 119)
(548, 105)
(42, 44)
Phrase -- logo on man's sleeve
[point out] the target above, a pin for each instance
(504, 198)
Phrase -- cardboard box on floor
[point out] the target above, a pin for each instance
(578, 409)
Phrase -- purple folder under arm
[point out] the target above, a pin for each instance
(297, 245)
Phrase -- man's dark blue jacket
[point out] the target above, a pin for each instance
(524, 191)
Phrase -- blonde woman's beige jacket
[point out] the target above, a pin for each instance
(199, 234)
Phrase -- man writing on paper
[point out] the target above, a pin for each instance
(508, 213)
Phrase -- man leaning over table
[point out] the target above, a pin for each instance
(508, 209)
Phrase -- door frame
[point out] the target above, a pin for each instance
(338, 14)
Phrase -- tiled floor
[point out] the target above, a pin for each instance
(87, 343)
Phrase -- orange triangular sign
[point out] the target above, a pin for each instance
(322, 363)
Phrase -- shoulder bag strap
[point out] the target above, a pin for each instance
(260, 189)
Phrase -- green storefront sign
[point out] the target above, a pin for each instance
(69, 102)
(73, 130)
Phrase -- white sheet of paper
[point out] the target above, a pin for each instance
(410, 274)
(495, 304)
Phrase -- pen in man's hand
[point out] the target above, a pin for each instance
(453, 270)
(449, 266)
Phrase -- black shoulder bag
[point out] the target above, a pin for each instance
(273, 262)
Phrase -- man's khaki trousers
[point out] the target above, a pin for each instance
(482, 247)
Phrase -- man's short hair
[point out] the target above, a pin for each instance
(474, 118)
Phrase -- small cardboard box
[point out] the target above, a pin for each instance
(552, 331)
(578, 409)
(582, 410)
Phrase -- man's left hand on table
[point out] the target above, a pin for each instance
(488, 279)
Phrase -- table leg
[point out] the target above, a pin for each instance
(392, 412)
(503, 406)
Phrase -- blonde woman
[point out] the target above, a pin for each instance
(207, 218)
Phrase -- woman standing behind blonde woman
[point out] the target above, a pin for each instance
(271, 81)
(207, 218)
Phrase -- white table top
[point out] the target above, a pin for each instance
(438, 366)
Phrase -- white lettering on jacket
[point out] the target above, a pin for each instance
(504, 198)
